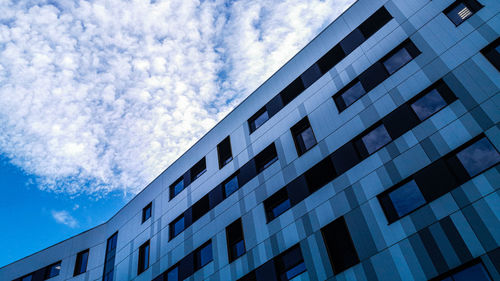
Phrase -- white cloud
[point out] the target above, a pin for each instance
(63, 217)
(97, 96)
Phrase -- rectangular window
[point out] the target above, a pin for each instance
(235, 240)
(492, 53)
(173, 274)
(81, 262)
(201, 207)
(203, 256)
(339, 245)
(258, 119)
(399, 57)
(290, 264)
(177, 226)
(198, 169)
(176, 187)
(478, 157)
(146, 212)
(303, 136)
(429, 104)
(401, 200)
(320, 174)
(470, 271)
(109, 264)
(277, 204)
(375, 139)
(143, 258)
(231, 185)
(265, 158)
(224, 152)
(52, 270)
(461, 10)
(349, 94)
(375, 22)
(27, 277)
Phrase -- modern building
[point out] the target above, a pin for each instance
(371, 155)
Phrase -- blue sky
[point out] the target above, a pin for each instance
(99, 97)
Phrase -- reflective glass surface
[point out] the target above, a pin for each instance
(478, 157)
(353, 94)
(428, 104)
(231, 186)
(376, 139)
(173, 275)
(238, 249)
(281, 208)
(178, 187)
(27, 278)
(398, 60)
(296, 270)
(53, 270)
(459, 13)
(308, 139)
(178, 226)
(261, 119)
(407, 198)
(205, 255)
(475, 272)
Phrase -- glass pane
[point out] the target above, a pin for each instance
(238, 249)
(231, 186)
(261, 119)
(459, 14)
(179, 226)
(296, 270)
(308, 138)
(269, 163)
(281, 208)
(146, 257)
(475, 272)
(498, 49)
(54, 270)
(397, 60)
(178, 187)
(428, 104)
(478, 157)
(27, 278)
(205, 255)
(83, 262)
(407, 198)
(173, 275)
(353, 94)
(376, 139)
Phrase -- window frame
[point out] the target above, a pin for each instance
(251, 121)
(78, 262)
(231, 242)
(172, 193)
(297, 130)
(220, 148)
(460, 268)
(197, 265)
(275, 200)
(144, 212)
(141, 266)
(172, 234)
(473, 6)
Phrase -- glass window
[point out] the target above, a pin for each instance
(406, 198)
(176, 188)
(224, 152)
(173, 274)
(296, 270)
(231, 186)
(492, 53)
(308, 138)
(238, 249)
(81, 262)
(353, 94)
(27, 278)
(459, 12)
(476, 272)
(478, 157)
(146, 212)
(266, 158)
(204, 256)
(258, 119)
(428, 104)
(281, 208)
(178, 226)
(198, 169)
(397, 60)
(376, 139)
(143, 257)
(53, 270)
(303, 136)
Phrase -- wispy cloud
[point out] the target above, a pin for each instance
(97, 96)
(63, 217)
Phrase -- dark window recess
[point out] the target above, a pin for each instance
(401, 200)
(258, 119)
(320, 174)
(352, 41)
(27, 277)
(201, 207)
(277, 204)
(399, 57)
(203, 256)
(375, 139)
(81, 262)
(331, 58)
(235, 240)
(109, 264)
(176, 187)
(492, 53)
(290, 264)
(292, 91)
(375, 22)
(265, 158)
(345, 158)
(143, 263)
(172, 274)
(461, 10)
(231, 185)
(473, 270)
(310, 76)
(303, 136)
(339, 245)
(249, 277)
(478, 157)
(198, 169)
(349, 94)
(52, 270)
(224, 152)
(428, 104)
(177, 226)
(146, 212)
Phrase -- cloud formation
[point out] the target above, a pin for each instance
(63, 217)
(98, 96)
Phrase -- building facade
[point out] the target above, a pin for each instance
(371, 155)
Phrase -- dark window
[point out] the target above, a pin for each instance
(291, 91)
(331, 58)
(352, 41)
(27, 278)
(198, 169)
(401, 200)
(375, 22)
(109, 264)
(177, 226)
(376, 139)
(249, 277)
(201, 207)
(81, 262)
(461, 10)
(429, 104)
(258, 119)
(397, 60)
(478, 157)
(231, 185)
(52, 270)
(303, 136)
(492, 53)
(146, 212)
(173, 274)
(143, 258)
(310, 76)
(235, 240)
(277, 204)
(320, 174)
(176, 187)
(471, 271)
(339, 245)
(351, 93)
(203, 256)
(265, 158)
(224, 152)
(290, 264)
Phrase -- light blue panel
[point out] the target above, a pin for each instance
(384, 266)
(444, 206)
(470, 239)
(455, 134)
(400, 260)
(411, 161)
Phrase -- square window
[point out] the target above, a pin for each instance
(143, 258)
(290, 264)
(258, 119)
(429, 104)
(461, 10)
(266, 158)
(81, 262)
(231, 185)
(146, 212)
(376, 139)
(224, 152)
(303, 136)
(277, 204)
(177, 226)
(203, 256)
(52, 270)
(397, 60)
(406, 198)
(352, 93)
(478, 157)
(176, 187)
(198, 169)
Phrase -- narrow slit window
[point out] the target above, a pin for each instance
(235, 240)
(339, 245)
(146, 212)
(81, 262)
(143, 258)
(224, 152)
(198, 169)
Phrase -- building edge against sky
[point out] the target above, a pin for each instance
(371, 155)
